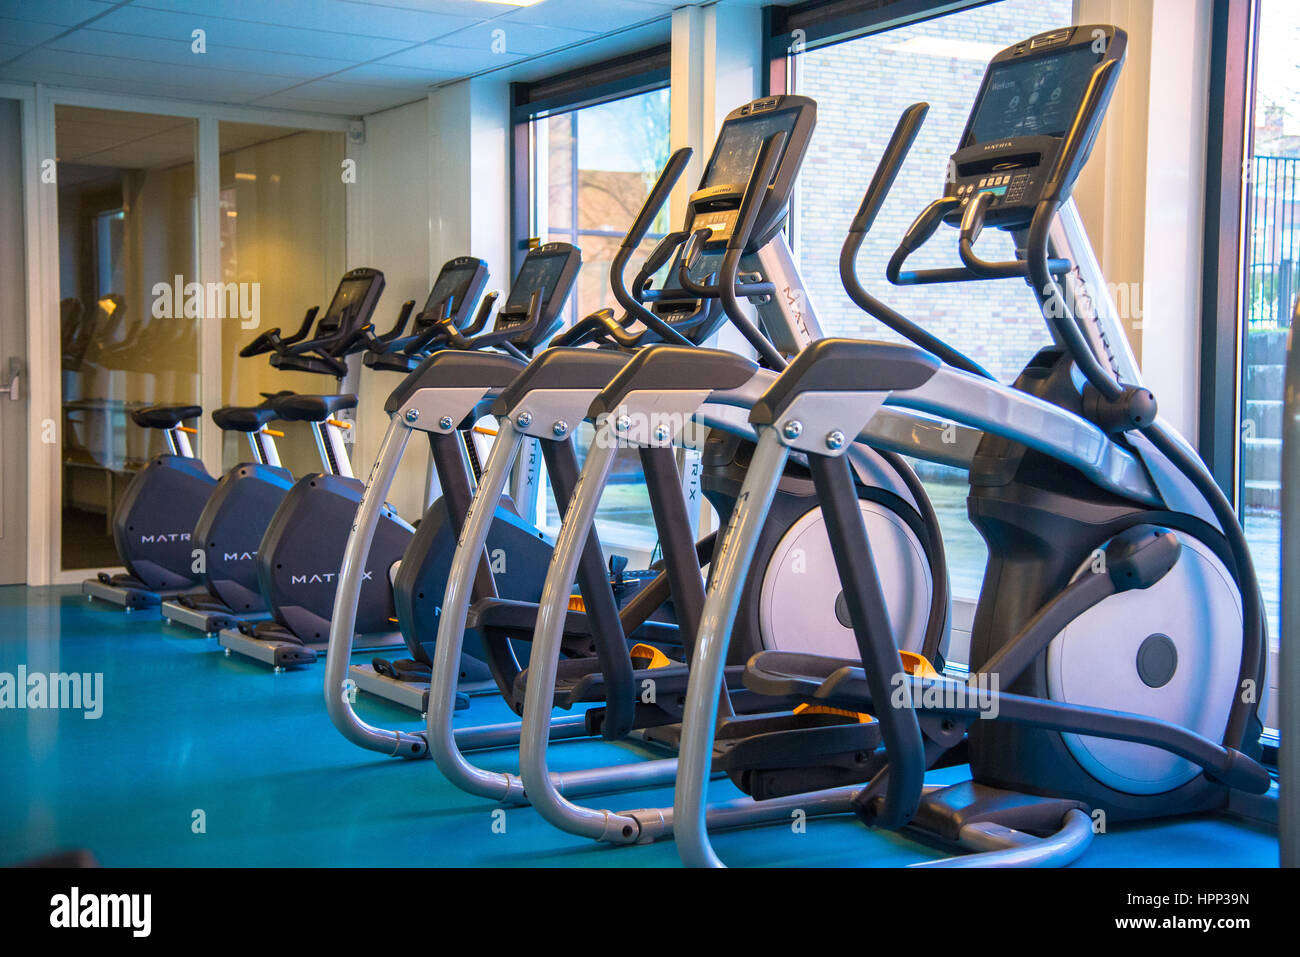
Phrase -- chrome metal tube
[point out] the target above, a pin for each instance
(543, 664)
(730, 571)
(443, 745)
(344, 618)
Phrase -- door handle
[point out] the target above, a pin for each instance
(15, 378)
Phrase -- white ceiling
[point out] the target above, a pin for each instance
(346, 57)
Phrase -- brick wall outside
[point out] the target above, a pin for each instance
(861, 87)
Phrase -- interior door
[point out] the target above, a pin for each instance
(13, 352)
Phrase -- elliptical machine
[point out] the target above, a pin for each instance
(543, 402)
(1117, 655)
(236, 516)
(735, 216)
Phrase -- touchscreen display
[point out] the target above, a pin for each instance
(1036, 97)
(348, 297)
(451, 284)
(739, 142)
(537, 272)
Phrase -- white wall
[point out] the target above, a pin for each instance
(388, 228)
(432, 184)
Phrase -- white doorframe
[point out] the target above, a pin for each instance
(40, 201)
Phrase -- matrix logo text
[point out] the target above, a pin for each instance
(102, 911)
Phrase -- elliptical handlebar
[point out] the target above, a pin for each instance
(1074, 153)
(303, 328)
(1081, 136)
(379, 343)
(656, 260)
(498, 337)
(729, 270)
(972, 224)
(900, 144)
(582, 331)
(663, 187)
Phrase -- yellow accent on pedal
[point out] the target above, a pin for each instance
(577, 604)
(393, 620)
(483, 430)
(653, 657)
(339, 425)
(186, 428)
(918, 666)
(275, 433)
(826, 709)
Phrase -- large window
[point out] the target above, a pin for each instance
(861, 87)
(1272, 269)
(590, 169)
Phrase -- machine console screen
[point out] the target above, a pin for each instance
(347, 297)
(739, 142)
(451, 284)
(537, 272)
(1035, 97)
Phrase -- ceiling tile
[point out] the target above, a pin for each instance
(345, 97)
(438, 57)
(154, 78)
(338, 16)
(395, 77)
(179, 54)
(222, 32)
(581, 14)
(526, 38)
(67, 13)
(26, 33)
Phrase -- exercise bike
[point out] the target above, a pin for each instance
(153, 526)
(299, 555)
(232, 523)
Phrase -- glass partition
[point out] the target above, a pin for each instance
(282, 245)
(1272, 271)
(127, 239)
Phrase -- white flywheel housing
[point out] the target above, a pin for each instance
(1171, 651)
(797, 606)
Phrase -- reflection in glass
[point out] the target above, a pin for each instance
(126, 215)
(282, 233)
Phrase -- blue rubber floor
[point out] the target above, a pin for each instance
(186, 729)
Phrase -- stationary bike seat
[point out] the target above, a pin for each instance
(312, 408)
(243, 418)
(164, 416)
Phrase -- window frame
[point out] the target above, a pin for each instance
(602, 82)
(823, 23)
(1225, 292)
(607, 81)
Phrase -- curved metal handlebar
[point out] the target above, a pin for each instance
(658, 196)
(972, 224)
(728, 272)
(909, 124)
